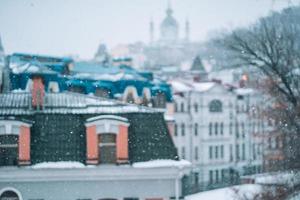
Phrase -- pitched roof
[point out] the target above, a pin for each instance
(64, 103)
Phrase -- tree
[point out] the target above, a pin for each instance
(272, 45)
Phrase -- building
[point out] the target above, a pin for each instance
(84, 147)
(215, 130)
(169, 50)
(119, 81)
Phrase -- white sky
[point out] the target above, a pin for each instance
(64, 27)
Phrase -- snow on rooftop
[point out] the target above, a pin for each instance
(179, 86)
(58, 165)
(162, 163)
(277, 178)
(202, 87)
(244, 91)
(182, 86)
(247, 191)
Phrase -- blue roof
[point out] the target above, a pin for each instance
(88, 75)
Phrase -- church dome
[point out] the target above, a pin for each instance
(169, 20)
(169, 27)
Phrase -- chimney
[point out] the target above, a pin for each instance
(37, 92)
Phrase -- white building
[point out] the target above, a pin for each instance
(215, 131)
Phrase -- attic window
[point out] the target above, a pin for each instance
(107, 148)
(102, 92)
(107, 139)
(14, 142)
(77, 89)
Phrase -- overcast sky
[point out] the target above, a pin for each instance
(64, 27)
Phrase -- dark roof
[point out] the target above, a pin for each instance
(67, 102)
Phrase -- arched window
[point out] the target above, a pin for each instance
(130, 98)
(210, 128)
(10, 193)
(215, 106)
(160, 100)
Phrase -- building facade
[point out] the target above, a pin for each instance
(216, 131)
(73, 146)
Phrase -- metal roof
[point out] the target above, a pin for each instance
(66, 103)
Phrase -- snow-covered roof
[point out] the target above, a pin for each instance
(162, 163)
(247, 191)
(244, 91)
(58, 165)
(276, 178)
(203, 87)
(66, 102)
(179, 86)
(184, 86)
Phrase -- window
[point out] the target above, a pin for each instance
(182, 129)
(243, 152)
(102, 92)
(196, 153)
(223, 175)
(217, 176)
(230, 128)
(8, 150)
(107, 147)
(254, 151)
(175, 129)
(243, 129)
(175, 107)
(196, 107)
(183, 153)
(182, 107)
(210, 152)
(222, 151)
(210, 128)
(130, 98)
(215, 106)
(160, 100)
(237, 134)
(77, 89)
(222, 128)
(237, 152)
(131, 198)
(211, 178)
(216, 128)
(9, 194)
(216, 152)
(11, 136)
(196, 129)
(231, 152)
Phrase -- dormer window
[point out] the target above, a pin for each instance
(77, 89)
(107, 139)
(102, 92)
(14, 142)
